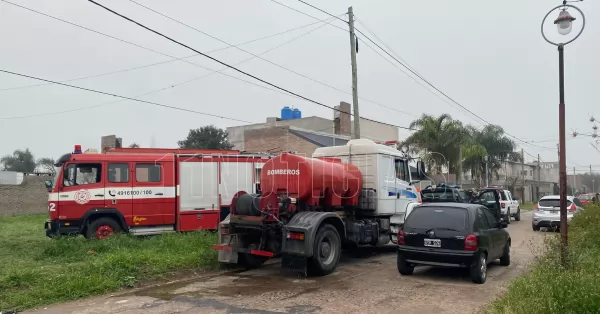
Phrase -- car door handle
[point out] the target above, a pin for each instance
(99, 195)
(63, 196)
(158, 194)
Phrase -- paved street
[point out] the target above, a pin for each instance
(367, 281)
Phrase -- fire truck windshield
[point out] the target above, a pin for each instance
(57, 172)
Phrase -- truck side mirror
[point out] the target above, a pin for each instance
(48, 185)
(421, 170)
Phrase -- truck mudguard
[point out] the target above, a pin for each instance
(308, 223)
(104, 212)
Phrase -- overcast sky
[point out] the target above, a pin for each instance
(488, 56)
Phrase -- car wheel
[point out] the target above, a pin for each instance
(505, 259)
(404, 268)
(327, 251)
(508, 216)
(518, 215)
(535, 228)
(479, 270)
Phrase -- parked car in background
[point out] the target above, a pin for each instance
(444, 193)
(586, 198)
(509, 204)
(453, 235)
(547, 211)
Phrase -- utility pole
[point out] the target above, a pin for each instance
(522, 175)
(573, 187)
(459, 166)
(354, 74)
(539, 181)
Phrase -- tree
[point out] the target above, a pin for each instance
(491, 142)
(206, 137)
(438, 139)
(134, 145)
(46, 164)
(19, 161)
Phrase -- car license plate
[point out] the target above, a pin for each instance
(433, 242)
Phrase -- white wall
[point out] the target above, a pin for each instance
(11, 178)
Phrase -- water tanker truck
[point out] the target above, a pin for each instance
(309, 208)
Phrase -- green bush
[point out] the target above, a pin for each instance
(549, 288)
(37, 270)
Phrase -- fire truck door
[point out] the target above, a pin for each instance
(82, 189)
(149, 207)
(118, 190)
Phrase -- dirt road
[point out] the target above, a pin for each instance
(366, 281)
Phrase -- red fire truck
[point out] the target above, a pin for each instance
(146, 191)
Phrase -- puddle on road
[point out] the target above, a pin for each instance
(268, 283)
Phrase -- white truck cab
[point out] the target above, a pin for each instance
(388, 186)
(509, 206)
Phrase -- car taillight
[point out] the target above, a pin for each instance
(537, 206)
(572, 208)
(502, 204)
(471, 243)
(400, 237)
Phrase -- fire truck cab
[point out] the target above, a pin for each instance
(146, 193)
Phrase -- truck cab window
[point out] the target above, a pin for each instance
(118, 173)
(400, 169)
(82, 174)
(147, 172)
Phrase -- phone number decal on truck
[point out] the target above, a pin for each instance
(142, 192)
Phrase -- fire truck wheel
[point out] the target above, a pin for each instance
(326, 251)
(102, 228)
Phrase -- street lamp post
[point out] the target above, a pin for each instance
(564, 23)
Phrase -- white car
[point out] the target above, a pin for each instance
(547, 211)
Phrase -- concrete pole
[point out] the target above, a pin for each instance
(354, 74)
(459, 167)
(522, 175)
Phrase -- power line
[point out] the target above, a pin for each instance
(175, 85)
(163, 62)
(125, 97)
(306, 14)
(266, 60)
(227, 65)
(136, 45)
(421, 77)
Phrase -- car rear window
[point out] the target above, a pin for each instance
(586, 197)
(438, 195)
(437, 217)
(552, 202)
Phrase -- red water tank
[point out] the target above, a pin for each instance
(313, 181)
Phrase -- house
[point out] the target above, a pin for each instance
(304, 135)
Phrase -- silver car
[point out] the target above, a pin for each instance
(547, 211)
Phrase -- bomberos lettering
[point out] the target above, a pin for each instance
(273, 172)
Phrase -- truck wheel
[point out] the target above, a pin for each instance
(251, 261)
(102, 228)
(518, 215)
(326, 251)
(508, 216)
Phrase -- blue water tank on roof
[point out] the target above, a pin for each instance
(296, 113)
(286, 113)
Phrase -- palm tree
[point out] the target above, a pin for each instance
(437, 139)
(492, 142)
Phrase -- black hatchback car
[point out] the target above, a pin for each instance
(453, 235)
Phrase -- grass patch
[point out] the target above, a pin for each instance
(551, 289)
(37, 270)
(527, 206)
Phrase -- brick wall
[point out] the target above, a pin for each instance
(276, 140)
(30, 197)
